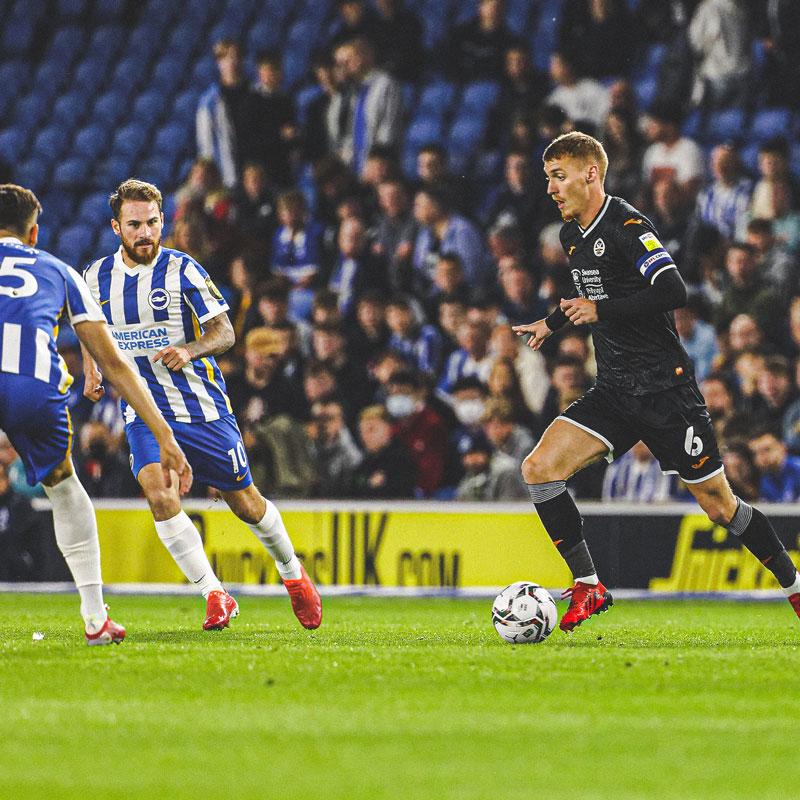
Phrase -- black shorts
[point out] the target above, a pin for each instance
(674, 424)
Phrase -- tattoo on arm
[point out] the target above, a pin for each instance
(218, 336)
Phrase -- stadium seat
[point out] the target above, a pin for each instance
(465, 133)
(264, 35)
(518, 17)
(304, 98)
(13, 143)
(66, 43)
(93, 208)
(14, 77)
(653, 58)
(110, 107)
(49, 144)
(169, 73)
(295, 68)
(107, 242)
(771, 122)
(423, 130)
(749, 156)
(30, 112)
(174, 138)
(142, 42)
(88, 78)
(34, 174)
(693, 124)
(725, 125)
(51, 77)
(57, 207)
(72, 10)
(157, 169)
(108, 10)
(645, 90)
(437, 98)
(72, 172)
(546, 33)
(17, 37)
(33, 9)
(131, 71)
(129, 141)
(73, 243)
(108, 174)
(479, 98)
(150, 106)
(205, 73)
(91, 141)
(184, 107)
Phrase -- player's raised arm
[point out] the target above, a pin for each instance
(96, 339)
(218, 336)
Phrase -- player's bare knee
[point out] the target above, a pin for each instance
(538, 469)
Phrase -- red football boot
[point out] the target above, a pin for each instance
(584, 600)
(306, 602)
(110, 632)
(794, 599)
(221, 608)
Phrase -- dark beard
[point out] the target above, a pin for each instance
(141, 259)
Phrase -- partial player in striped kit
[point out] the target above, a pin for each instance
(169, 321)
(35, 290)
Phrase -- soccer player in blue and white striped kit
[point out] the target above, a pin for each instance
(169, 321)
(35, 290)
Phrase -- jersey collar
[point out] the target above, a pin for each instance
(596, 220)
(130, 270)
(11, 240)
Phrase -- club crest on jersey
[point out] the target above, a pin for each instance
(159, 299)
(599, 247)
(215, 293)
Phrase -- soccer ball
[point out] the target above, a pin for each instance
(524, 613)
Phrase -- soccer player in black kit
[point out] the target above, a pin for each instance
(626, 287)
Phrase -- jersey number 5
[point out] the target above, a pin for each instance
(692, 444)
(9, 269)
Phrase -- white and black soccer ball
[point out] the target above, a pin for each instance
(524, 613)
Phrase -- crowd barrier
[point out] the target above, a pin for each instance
(664, 548)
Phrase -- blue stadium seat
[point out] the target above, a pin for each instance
(201, 13)
(653, 58)
(57, 207)
(129, 141)
(17, 37)
(108, 174)
(437, 98)
(88, 78)
(45, 238)
(264, 34)
(93, 208)
(66, 43)
(72, 9)
(423, 130)
(110, 9)
(771, 122)
(33, 9)
(92, 141)
(73, 244)
(693, 124)
(169, 74)
(184, 107)
(465, 133)
(480, 97)
(110, 107)
(645, 90)
(142, 42)
(295, 68)
(157, 169)
(72, 173)
(14, 77)
(546, 33)
(13, 143)
(131, 71)
(33, 174)
(49, 144)
(304, 98)
(174, 138)
(184, 38)
(749, 156)
(302, 37)
(107, 38)
(50, 79)
(725, 125)
(205, 73)
(30, 112)
(107, 242)
(150, 106)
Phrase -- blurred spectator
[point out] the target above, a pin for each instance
(254, 209)
(297, 250)
(782, 46)
(270, 308)
(401, 52)
(740, 470)
(720, 402)
(790, 426)
(472, 359)
(317, 136)
(568, 381)
(329, 345)
(776, 195)
(395, 231)
(380, 165)
(671, 155)
(721, 36)
(387, 470)
(368, 335)
(636, 477)
(319, 382)
(726, 201)
(748, 292)
(672, 217)
(475, 49)
(228, 120)
(356, 268)
(259, 390)
(203, 193)
(520, 301)
(449, 281)
(421, 430)
(375, 112)
(101, 465)
(335, 184)
(336, 454)
(419, 344)
(780, 472)
(775, 393)
(278, 133)
(468, 396)
(443, 231)
(21, 552)
(697, 336)
(357, 19)
(597, 35)
(433, 172)
(502, 428)
(519, 374)
(778, 267)
(625, 149)
(581, 99)
(489, 475)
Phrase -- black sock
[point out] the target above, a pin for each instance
(759, 537)
(563, 523)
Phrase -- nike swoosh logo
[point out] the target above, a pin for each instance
(241, 477)
(700, 462)
(103, 302)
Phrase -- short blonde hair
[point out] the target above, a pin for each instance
(264, 340)
(375, 412)
(580, 147)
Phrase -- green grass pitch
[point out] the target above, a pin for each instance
(398, 698)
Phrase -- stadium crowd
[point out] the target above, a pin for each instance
(372, 297)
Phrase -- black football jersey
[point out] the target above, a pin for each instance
(618, 255)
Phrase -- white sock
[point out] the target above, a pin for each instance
(795, 587)
(272, 533)
(76, 535)
(592, 579)
(183, 541)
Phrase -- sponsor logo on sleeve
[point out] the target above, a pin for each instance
(215, 293)
(650, 241)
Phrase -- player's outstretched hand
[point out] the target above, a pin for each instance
(173, 460)
(173, 358)
(579, 310)
(538, 333)
(93, 385)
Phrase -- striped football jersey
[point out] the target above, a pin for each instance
(35, 290)
(151, 306)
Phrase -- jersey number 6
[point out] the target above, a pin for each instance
(692, 444)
